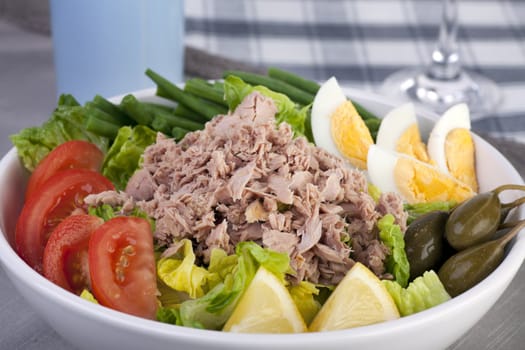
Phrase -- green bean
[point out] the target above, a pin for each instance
(136, 110)
(169, 109)
(299, 82)
(363, 112)
(203, 89)
(166, 89)
(173, 120)
(372, 124)
(111, 109)
(162, 125)
(218, 85)
(311, 87)
(67, 100)
(295, 94)
(156, 117)
(185, 112)
(179, 111)
(178, 133)
(101, 127)
(92, 110)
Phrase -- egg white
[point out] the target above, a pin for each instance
(457, 116)
(329, 97)
(394, 124)
(381, 167)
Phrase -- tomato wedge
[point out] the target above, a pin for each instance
(122, 266)
(61, 195)
(71, 154)
(66, 253)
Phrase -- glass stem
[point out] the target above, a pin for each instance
(445, 63)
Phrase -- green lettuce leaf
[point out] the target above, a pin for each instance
(397, 262)
(65, 124)
(169, 297)
(221, 265)
(123, 158)
(304, 295)
(374, 192)
(422, 293)
(181, 273)
(235, 90)
(213, 309)
(169, 315)
(104, 211)
(275, 262)
(107, 212)
(417, 209)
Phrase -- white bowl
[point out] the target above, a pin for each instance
(91, 326)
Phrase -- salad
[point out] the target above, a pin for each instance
(256, 204)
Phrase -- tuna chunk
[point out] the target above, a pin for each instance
(141, 185)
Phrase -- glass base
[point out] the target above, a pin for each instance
(481, 94)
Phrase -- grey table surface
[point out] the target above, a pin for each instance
(27, 96)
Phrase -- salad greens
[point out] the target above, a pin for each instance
(305, 295)
(181, 273)
(294, 93)
(193, 294)
(123, 158)
(107, 212)
(67, 100)
(230, 275)
(374, 192)
(65, 124)
(422, 293)
(392, 236)
(417, 209)
(235, 90)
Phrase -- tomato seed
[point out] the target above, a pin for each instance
(123, 263)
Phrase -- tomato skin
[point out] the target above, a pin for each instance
(75, 154)
(65, 261)
(62, 195)
(122, 266)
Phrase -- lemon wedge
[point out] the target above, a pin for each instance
(265, 307)
(359, 299)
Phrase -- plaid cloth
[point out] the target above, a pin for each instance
(363, 41)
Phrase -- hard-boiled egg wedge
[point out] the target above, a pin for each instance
(451, 147)
(399, 132)
(414, 180)
(337, 127)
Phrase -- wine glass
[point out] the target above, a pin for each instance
(444, 82)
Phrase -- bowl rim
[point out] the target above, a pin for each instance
(504, 272)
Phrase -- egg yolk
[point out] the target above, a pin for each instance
(419, 182)
(350, 134)
(459, 153)
(410, 143)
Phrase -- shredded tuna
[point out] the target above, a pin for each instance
(390, 203)
(141, 186)
(246, 178)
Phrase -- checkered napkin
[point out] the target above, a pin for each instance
(363, 41)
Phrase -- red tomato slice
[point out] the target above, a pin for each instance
(71, 154)
(122, 266)
(62, 195)
(66, 252)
